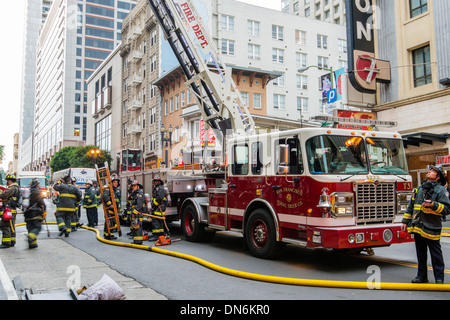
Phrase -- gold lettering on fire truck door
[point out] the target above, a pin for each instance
(288, 198)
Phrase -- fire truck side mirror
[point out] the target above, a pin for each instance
(283, 163)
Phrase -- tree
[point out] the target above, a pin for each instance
(78, 157)
(61, 159)
(82, 158)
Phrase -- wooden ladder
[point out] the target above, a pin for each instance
(104, 179)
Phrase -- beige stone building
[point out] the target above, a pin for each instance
(413, 36)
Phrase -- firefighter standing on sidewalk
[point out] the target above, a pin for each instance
(69, 196)
(158, 208)
(423, 218)
(35, 213)
(137, 206)
(10, 199)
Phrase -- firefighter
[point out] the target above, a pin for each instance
(11, 200)
(69, 196)
(137, 207)
(423, 218)
(90, 203)
(35, 213)
(97, 195)
(76, 215)
(158, 208)
(110, 209)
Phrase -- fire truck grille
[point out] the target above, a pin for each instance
(375, 202)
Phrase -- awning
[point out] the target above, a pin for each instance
(415, 139)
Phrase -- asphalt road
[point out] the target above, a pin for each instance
(180, 279)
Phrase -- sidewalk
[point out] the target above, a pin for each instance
(56, 275)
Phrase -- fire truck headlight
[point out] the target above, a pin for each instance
(403, 199)
(342, 204)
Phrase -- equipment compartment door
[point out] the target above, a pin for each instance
(217, 210)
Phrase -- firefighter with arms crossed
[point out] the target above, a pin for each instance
(137, 206)
(423, 218)
(10, 199)
(158, 208)
(69, 196)
(35, 213)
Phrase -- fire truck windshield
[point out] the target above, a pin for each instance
(386, 156)
(347, 155)
(336, 155)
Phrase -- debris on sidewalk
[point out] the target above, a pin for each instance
(105, 289)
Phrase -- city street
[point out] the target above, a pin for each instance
(179, 279)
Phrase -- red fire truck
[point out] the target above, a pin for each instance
(316, 187)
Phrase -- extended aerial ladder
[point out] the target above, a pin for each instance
(220, 102)
(112, 222)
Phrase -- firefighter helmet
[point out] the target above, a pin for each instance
(135, 182)
(116, 178)
(158, 178)
(89, 182)
(12, 177)
(34, 183)
(440, 173)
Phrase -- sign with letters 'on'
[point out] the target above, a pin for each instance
(364, 69)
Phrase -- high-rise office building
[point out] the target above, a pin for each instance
(332, 11)
(35, 14)
(74, 41)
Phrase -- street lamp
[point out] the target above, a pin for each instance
(320, 68)
(166, 140)
(95, 154)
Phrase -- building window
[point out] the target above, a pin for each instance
(76, 132)
(277, 32)
(253, 27)
(103, 133)
(228, 47)
(227, 23)
(279, 101)
(254, 51)
(417, 7)
(322, 41)
(422, 66)
(277, 55)
(257, 99)
(300, 37)
(302, 104)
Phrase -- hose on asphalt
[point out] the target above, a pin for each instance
(276, 279)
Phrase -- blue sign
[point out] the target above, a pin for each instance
(331, 96)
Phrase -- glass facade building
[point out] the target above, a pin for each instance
(76, 38)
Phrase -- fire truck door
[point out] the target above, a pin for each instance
(217, 210)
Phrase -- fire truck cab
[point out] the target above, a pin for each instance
(319, 187)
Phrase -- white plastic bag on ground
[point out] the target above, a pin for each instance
(105, 289)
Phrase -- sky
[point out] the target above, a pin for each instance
(11, 52)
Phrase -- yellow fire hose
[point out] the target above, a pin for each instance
(279, 280)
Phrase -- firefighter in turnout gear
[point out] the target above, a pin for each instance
(69, 196)
(35, 213)
(90, 203)
(10, 199)
(107, 199)
(77, 214)
(158, 208)
(137, 207)
(423, 218)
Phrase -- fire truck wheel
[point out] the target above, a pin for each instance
(193, 230)
(260, 235)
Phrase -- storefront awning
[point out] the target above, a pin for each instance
(415, 139)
